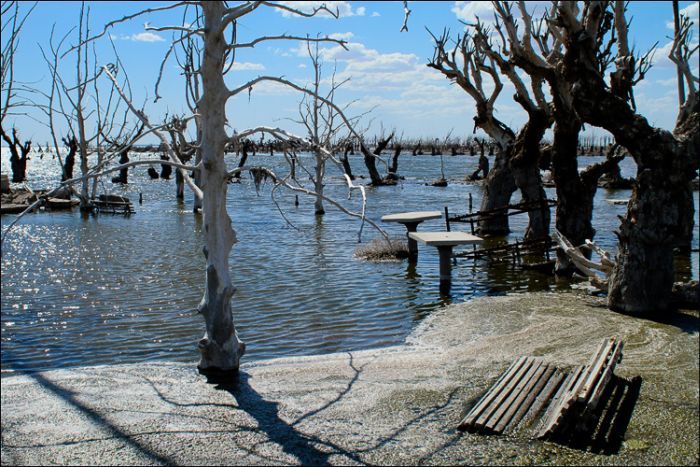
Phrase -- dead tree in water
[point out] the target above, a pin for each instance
(538, 51)
(392, 175)
(346, 163)
(524, 155)
(371, 157)
(12, 24)
(184, 150)
(469, 75)
(19, 155)
(123, 150)
(517, 157)
(244, 148)
(72, 145)
(91, 111)
(656, 220)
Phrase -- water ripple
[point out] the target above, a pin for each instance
(108, 289)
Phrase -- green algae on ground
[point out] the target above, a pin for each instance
(385, 406)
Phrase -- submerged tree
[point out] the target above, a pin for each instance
(469, 75)
(642, 279)
(322, 124)
(215, 24)
(12, 23)
(517, 157)
(537, 47)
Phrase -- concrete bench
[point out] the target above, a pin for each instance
(411, 220)
(444, 242)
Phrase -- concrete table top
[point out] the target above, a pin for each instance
(445, 238)
(416, 216)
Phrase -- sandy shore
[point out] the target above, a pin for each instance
(397, 405)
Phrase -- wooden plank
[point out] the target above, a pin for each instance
(520, 395)
(543, 376)
(562, 402)
(545, 397)
(487, 398)
(592, 401)
(595, 368)
(481, 421)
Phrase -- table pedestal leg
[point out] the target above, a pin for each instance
(445, 268)
(412, 244)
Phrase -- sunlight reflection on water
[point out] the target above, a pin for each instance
(110, 289)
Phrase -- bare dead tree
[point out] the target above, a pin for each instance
(19, 155)
(371, 157)
(220, 347)
(642, 279)
(524, 155)
(467, 67)
(321, 122)
(94, 115)
(538, 48)
(13, 20)
(72, 144)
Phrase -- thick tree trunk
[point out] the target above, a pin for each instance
(525, 168)
(220, 347)
(165, 170)
(498, 189)
(244, 158)
(642, 279)
(18, 162)
(346, 163)
(197, 174)
(123, 176)
(179, 186)
(371, 164)
(574, 199)
(69, 162)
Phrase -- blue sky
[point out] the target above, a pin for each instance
(386, 67)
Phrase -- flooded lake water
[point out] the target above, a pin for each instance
(111, 289)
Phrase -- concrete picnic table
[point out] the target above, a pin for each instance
(444, 241)
(410, 220)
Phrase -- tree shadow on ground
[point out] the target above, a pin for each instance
(308, 449)
(115, 432)
(311, 449)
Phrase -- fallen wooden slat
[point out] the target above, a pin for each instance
(523, 406)
(594, 368)
(482, 420)
(520, 395)
(468, 421)
(596, 393)
(507, 401)
(551, 382)
(562, 402)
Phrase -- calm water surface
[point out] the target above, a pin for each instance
(109, 289)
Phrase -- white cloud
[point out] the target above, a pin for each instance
(664, 82)
(469, 11)
(343, 36)
(692, 11)
(302, 65)
(248, 66)
(375, 14)
(146, 36)
(341, 7)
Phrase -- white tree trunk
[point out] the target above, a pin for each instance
(220, 347)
